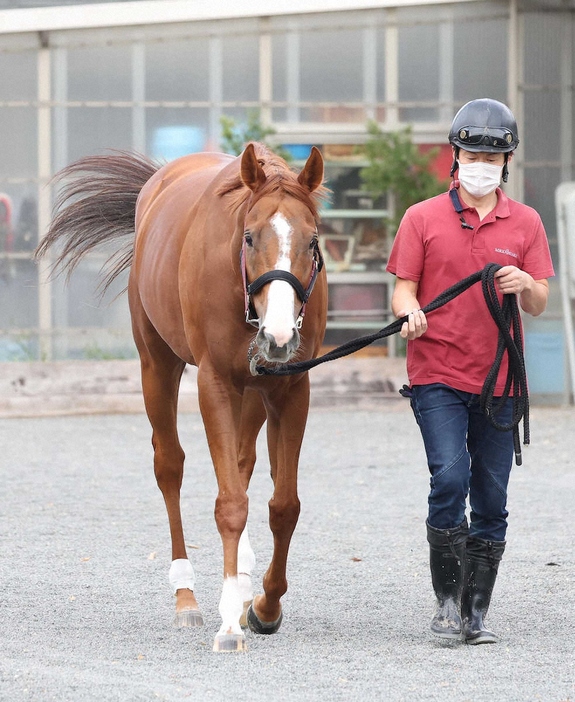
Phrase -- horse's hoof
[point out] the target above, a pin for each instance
(188, 618)
(259, 627)
(244, 617)
(230, 643)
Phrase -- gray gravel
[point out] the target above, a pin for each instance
(85, 607)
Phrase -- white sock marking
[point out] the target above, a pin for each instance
(231, 607)
(246, 562)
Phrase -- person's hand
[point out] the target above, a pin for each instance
(512, 281)
(415, 326)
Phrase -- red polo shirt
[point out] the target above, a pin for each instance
(432, 249)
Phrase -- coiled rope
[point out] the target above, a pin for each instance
(506, 317)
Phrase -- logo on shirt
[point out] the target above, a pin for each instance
(507, 252)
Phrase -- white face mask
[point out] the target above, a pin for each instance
(479, 179)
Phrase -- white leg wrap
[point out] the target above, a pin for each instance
(246, 556)
(246, 562)
(231, 607)
(182, 575)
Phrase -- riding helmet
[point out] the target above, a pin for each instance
(484, 125)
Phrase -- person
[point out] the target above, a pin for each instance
(439, 242)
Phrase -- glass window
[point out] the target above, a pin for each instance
(24, 219)
(543, 48)
(96, 129)
(178, 70)
(18, 292)
(539, 193)
(81, 297)
(328, 73)
(540, 140)
(241, 70)
(480, 60)
(331, 65)
(87, 325)
(18, 75)
(18, 140)
(175, 132)
(100, 73)
(418, 71)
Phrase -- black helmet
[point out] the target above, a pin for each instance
(484, 125)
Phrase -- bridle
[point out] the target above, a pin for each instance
(277, 274)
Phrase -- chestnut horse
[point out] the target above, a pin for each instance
(221, 245)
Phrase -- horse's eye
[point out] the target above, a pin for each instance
(314, 242)
(248, 238)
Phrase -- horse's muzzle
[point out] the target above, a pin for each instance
(273, 353)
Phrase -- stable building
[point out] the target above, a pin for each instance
(156, 76)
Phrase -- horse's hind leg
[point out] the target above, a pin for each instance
(161, 374)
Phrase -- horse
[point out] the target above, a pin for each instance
(223, 255)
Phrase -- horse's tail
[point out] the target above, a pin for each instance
(97, 204)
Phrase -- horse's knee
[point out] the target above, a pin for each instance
(168, 467)
(231, 513)
(284, 515)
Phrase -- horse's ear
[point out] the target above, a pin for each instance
(251, 172)
(311, 176)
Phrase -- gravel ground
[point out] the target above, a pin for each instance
(85, 608)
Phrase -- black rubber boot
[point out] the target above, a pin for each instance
(446, 556)
(481, 564)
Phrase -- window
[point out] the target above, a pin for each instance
(419, 72)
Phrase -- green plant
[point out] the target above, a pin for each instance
(398, 169)
(92, 351)
(235, 136)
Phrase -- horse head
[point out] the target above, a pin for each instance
(280, 247)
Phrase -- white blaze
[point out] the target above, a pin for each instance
(279, 317)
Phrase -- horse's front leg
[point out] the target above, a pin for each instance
(287, 418)
(253, 416)
(221, 408)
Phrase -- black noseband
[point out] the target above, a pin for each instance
(290, 278)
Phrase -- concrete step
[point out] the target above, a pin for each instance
(81, 387)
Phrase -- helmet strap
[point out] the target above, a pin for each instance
(455, 164)
(505, 172)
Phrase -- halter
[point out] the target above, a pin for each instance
(302, 293)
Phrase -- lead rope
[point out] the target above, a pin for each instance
(505, 315)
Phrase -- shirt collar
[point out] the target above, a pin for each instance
(500, 210)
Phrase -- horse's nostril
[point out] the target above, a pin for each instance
(273, 350)
(272, 344)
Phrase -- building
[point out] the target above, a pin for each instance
(157, 75)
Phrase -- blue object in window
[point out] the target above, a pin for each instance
(178, 140)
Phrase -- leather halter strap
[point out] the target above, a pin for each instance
(278, 274)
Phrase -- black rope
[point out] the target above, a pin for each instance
(506, 317)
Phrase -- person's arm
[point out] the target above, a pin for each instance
(533, 294)
(404, 302)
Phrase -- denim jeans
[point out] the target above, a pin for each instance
(466, 456)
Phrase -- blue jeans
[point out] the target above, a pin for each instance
(466, 456)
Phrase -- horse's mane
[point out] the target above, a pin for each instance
(279, 178)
